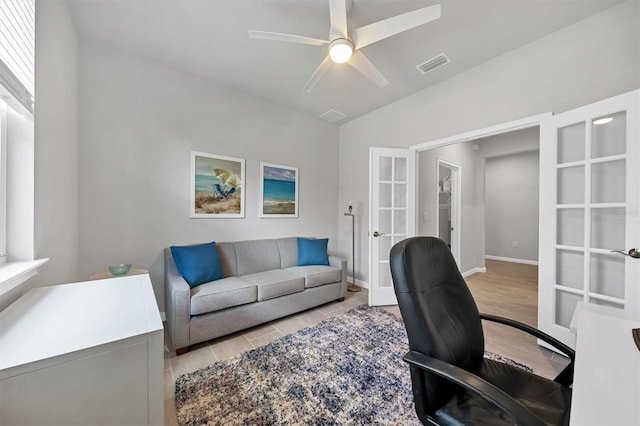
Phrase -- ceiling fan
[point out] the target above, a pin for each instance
(344, 46)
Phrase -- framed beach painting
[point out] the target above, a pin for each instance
(278, 190)
(216, 186)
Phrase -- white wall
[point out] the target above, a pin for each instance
(511, 143)
(138, 123)
(594, 59)
(511, 202)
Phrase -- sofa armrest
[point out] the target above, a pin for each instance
(341, 263)
(177, 303)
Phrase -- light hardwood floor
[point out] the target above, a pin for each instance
(506, 289)
(511, 290)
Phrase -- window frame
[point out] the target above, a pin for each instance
(3, 182)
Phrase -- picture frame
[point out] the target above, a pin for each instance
(216, 186)
(279, 187)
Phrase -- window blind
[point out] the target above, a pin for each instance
(17, 40)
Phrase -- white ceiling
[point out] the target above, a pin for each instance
(209, 38)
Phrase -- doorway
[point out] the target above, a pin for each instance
(466, 151)
(448, 205)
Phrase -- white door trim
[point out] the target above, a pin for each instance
(456, 204)
(498, 129)
(523, 123)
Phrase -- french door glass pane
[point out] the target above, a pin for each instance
(570, 269)
(398, 238)
(385, 247)
(608, 182)
(570, 227)
(385, 168)
(400, 221)
(571, 185)
(384, 278)
(608, 228)
(400, 173)
(565, 307)
(609, 137)
(400, 195)
(596, 301)
(571, 143)
(384, 219)
(385, 194)
(607, 274)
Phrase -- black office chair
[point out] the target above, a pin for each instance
(452, 382)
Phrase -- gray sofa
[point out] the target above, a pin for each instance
(262, 282)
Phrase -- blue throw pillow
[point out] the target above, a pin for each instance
(312, 251)
(198, 264)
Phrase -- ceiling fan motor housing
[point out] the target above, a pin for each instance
(340, 50)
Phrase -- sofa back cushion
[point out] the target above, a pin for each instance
(227, 254)
(256, 256)
(288, 248)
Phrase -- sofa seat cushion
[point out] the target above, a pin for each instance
(221, 294)
(317, 275)
(275, 283)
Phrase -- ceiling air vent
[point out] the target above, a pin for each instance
(433, 63)
(332, 116)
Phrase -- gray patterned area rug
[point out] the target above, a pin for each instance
(345, 370)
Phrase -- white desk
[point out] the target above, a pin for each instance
(606, 385)
(83, 354)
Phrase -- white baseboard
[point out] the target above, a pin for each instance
(359, 283)
(474, 271)
(511, 259)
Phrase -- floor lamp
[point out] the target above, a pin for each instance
(353, 287)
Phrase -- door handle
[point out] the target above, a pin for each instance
(377, 234)
(634, 252)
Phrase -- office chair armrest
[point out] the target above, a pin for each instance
(566, 376)
(469, 381)
(534, 332)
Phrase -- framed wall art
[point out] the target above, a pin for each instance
(216, 186)
(278, 191)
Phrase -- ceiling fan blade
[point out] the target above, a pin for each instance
(377, 31)
(338, 17)
(290, 38)
(318, 73)
(360, 62)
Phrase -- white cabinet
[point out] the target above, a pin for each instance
(86, 353)
(606, 384)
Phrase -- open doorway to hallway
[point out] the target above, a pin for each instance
(471, 156)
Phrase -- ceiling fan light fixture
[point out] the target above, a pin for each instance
(340, 50)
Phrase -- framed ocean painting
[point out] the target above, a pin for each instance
(216, 186)
(278, 190)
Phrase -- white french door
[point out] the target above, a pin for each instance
(589, 206)
(392, 215)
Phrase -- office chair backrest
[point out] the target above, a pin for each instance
(439, 314)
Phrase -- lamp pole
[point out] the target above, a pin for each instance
(353, 287)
